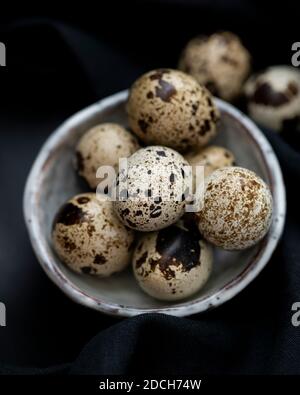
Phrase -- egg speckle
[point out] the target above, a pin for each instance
(273, 96)
(220, 62)
(173, 263)
(89, 238)
(103, 145)
(154, 189)
(168, 107)
(237, 209)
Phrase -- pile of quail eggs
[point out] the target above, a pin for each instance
(172, 118)
(222, 64)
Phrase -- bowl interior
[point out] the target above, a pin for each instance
(57, 181)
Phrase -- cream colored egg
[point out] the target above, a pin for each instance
(89, 237)
(103, 145)
(212, 158)
(220, 62)
(168, 107)
(173, 263)
(237, 209)
(153, 194)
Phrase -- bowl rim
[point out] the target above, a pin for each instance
(216, 298)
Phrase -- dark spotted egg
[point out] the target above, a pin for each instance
(273, 97)
(168, 107)
(152, 195)
(89, 237)
(173, 263)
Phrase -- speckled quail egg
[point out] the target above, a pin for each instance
(212, 158)
(237, 208)
(103, 145)
(273, 96)
(173, 263)
(152, 194)
(168, 107)
(89, 237)
(220, 62)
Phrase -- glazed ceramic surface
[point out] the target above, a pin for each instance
(52, 181)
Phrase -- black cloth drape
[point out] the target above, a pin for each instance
(59, 63)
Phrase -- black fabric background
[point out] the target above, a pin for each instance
(61, 61)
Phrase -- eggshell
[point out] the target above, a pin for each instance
(103, 145)
(152, 194)
(237, 209)
(168, 107)
(212, 158)
(273, 97)
(220, 62)
(173, 263)
(89, 238)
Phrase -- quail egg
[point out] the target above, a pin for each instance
(89, 238)
(103, 145)
(168, 107)
(212, 158)
(152, 194)
(273, 96)
(173, 263)
(237, 208)
(220, 62)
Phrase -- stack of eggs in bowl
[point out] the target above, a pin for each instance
(172, 119)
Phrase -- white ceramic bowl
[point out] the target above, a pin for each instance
(52, 181)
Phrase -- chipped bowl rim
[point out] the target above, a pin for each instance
(232, 288)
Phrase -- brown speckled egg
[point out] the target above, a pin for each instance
(103, 145)
(220, 62)
(168, 107)
(89, 238)
(237, 208)
(212, 158)
(173, 263)
(273, 97)
(152, 195)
